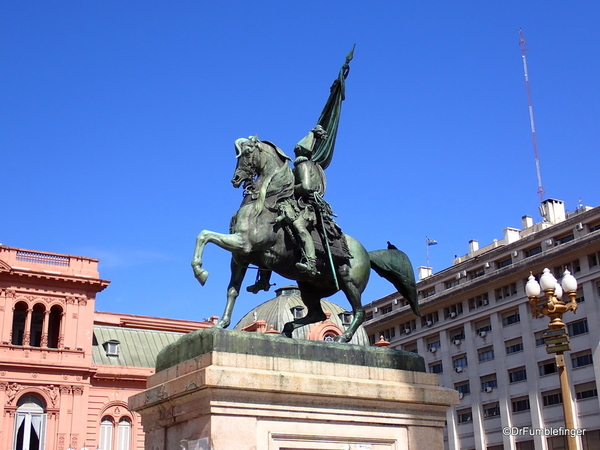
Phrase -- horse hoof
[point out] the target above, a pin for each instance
(201, 275)
(221, 324)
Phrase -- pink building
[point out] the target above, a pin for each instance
(66, 371)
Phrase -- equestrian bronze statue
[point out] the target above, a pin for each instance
(284, 225)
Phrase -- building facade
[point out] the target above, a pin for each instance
(478, 334)
(66, 370)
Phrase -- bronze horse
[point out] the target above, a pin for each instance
(256, 238)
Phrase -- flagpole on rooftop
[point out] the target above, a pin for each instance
(428, 242)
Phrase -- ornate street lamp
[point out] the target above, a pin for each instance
(556, 338)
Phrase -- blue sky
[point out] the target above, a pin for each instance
(117, 123)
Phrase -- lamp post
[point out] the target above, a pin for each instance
(556, 338)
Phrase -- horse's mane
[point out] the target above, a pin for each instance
(277, 185)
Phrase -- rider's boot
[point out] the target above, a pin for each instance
(309, 266)
(263, 283)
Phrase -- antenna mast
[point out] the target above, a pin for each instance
(533, 135)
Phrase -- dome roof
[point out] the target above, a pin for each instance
(280, 310)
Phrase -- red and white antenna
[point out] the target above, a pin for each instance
(535, 148)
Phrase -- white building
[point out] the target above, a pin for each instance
(478, 334)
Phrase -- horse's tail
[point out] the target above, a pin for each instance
(394, 266)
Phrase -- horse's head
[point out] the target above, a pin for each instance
(248, 161)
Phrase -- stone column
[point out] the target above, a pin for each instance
(44, 340)
(27, 329)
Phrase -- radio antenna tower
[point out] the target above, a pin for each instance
(533, 135)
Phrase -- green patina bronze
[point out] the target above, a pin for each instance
(204, 341)
(284, 225)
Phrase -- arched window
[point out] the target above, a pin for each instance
(30, 424)
(37, 324)
(18, 328)
(107, 434)
(124, 434)
(54, 326)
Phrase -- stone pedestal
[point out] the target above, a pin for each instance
(230, 390)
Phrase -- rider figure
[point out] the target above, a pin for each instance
(300, 212)
(308, 190)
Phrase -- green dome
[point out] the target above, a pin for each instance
(280, 310)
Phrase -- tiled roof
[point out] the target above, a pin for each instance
(137, 347)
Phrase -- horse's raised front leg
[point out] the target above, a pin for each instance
(231, 242)
(233, 290)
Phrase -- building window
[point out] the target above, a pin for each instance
(572, 267)
(408, 327)
(386, 309)
(593, 259)
(489, 382)
(436, 368)
(429, 293)
(483, 327)
(388, 334)
(594, 227)
(491, 410)
(520, 404)
(577, 328)
(564, 239)
(18, 324)
(451, 283)
(37, 323)
(586, 390)
(516, 375)
(551, 398)
(452, 311)
(345, 317)
(54, 320)
(503, 263)
(582, 359)
(463, 388)
(297, 311)
(107, 434)
(429, 319)
(30, 423)
(510, 318)
(533, 251)
(506, 291)
(457, 335)
(464, 415)
(514, 346)
(547, 367)
(478, 302)
(459, 362)
(476, 273)
(112, 347)
(412, 347)
(433, 344)
(486, 354)
(40, 334)
(539, 339)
